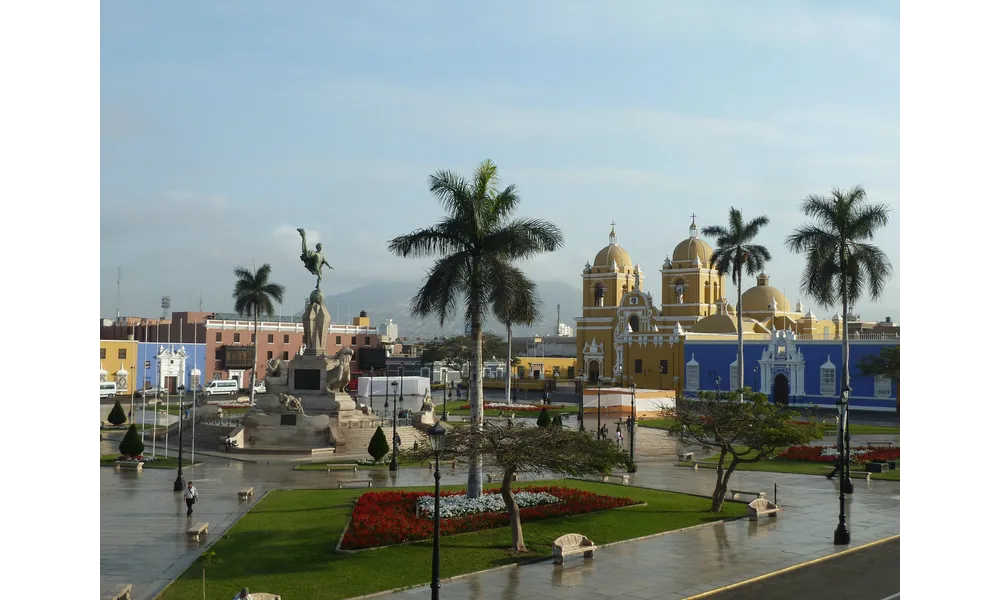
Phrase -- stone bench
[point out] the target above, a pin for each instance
(572, 543)
(865, 474)
(491, 477)
(366, 482)
(738, 492)
(264, 596)
(195, 531)
(338, 467)
(624, 477)
(761, 507)
(884, 444)
(128, 465)
(244, 494)
(685, 456)
(119, 592)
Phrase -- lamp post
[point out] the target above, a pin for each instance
(842, 536)
(393, 465)
(583, 379)
(451, 388)
(437, 433)
(631, 431)
(756, 386)
(718, 386)
(179, 482)
(131, 402)
(599, 379)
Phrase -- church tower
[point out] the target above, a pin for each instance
(691, 287)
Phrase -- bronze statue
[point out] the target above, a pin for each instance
(313, 259)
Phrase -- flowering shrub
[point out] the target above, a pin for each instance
(459, 506)
(386, 518)
(829, 454)
(370, 462)
(505, 406)
(143, 459)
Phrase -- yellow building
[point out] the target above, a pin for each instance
(624, 335)
(119, 364)
(542, 367)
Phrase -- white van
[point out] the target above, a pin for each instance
(109, 389)
(221, 386)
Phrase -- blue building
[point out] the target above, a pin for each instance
(791, 371)
(170, 366)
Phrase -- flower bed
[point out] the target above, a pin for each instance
(371, 462)
(387, 518)
(460, 506)
(142, 459)
(505, 406)
(829, 454)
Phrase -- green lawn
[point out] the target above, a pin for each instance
(656, 423)
(108, 460)
(800, 467)
(349, 465)
(492, 412)
(286, 544)
(829, 428)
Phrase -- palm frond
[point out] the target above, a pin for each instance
(524, 238)
(515, 297)
(445, 282)
(431, 241)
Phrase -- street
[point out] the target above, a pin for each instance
(871, 573)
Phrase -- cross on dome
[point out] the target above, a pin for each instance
(612, 237)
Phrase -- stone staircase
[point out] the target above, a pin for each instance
(356, 438)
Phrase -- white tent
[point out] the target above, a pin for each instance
(382, 386)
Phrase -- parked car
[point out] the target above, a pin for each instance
(152, 392)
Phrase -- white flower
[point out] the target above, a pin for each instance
(460, 506)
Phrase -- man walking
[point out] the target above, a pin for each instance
(190, 496)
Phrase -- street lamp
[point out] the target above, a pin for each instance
(451, 388)
(756, 386)
(718, 386)
(393, 465)
(599, 380)
(179, 482)
(437, 433)
(583, 379)
(631, 431)
(842, 536)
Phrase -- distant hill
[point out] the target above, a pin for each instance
(387, 299)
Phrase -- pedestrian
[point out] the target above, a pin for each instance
(190, 496)
(618, 436)
(243, 595)
(396, 440)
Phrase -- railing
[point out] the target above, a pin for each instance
(265, 326)
(802, 337)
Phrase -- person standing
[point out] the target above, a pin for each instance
(190, 496)
(618, 436)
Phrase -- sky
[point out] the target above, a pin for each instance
(227, 125)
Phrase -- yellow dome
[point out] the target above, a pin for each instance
(760, 298)
(691, 248)
(613, 252)
(721, 323)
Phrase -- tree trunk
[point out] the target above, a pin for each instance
(722, 485)
(253, 370)
(739, 331)
(474, 486)
(516, 535)
(507, 370)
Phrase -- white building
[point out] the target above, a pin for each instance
(564, 330)
(388, 331)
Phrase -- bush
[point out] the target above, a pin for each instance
(117, 416)
(544, 420)
(557, 422)
(131, 444)
(378, 447)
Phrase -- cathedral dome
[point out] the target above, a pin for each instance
(693, 248)
(723, 321)
(764, 297)
(613, 254)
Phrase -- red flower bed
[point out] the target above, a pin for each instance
(518, 408)
(828, 454)
(387, 518)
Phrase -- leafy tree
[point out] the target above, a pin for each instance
(476, 245)
(544, 420)
(886, 364)
(117, 415)
(255, 295)
(840, 261)
(521, 449)
(742, 432)
(456, 351)
(378, 447)
(131, 444)
(516, 305)
(735, 253)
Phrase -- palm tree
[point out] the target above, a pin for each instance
(475, 244)
(254, 294)
(517, 305)
(839, 260)
(735, 253)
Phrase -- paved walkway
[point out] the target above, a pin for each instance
(143, 524)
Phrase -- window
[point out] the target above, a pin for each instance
(633, 323)
(218, 336)
(555, 372)
(338, 340)
(883, 387)
(633, 300)
(286, 338)
(638, 366)
(284, 355)
(236, 338)
(121, 353)
(270, 338)
(354, 340)
(368, 340)
(270, 355)
(734, 376)
(104, 353)
(218, 354)
(599, 294)
(692, 374)
(664, 365)
(828, 379)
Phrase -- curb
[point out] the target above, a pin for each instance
(814, 561)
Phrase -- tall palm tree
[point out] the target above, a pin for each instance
(255, 296)
(735, 253)
(475, 244)
(516, 305)
(840, 261)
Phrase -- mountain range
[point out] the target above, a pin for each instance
(391, 299)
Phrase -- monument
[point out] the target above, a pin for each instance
(307, 401)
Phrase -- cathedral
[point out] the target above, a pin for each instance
(688, 342)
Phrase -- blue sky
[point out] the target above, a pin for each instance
(226, 125)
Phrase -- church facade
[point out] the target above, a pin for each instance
(687, 342)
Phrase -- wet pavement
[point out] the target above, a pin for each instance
(143, 540)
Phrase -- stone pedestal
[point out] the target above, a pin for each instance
(316, 324)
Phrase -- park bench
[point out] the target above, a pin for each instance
(624, 477)
(685, 456)
(335, 466)
(569, 544)
(264, 596)
(244, 494)
(367, 482)
(119, 592)
(128, 465)
(196, 530)
(738, 492)
(761, 507)
(865, 474)
(881, 444)
(491, 477)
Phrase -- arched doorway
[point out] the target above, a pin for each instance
(781, 390)
(593, 371)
